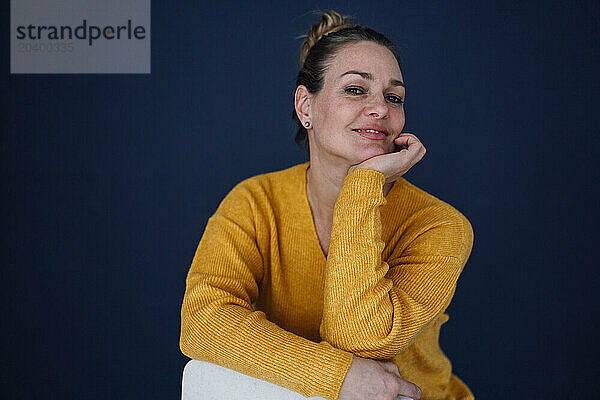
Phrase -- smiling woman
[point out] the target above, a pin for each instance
(358, 113)
(331, 278)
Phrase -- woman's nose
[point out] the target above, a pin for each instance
(377, 107)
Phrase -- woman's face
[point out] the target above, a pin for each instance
(359, 112)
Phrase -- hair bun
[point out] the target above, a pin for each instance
(330, 22)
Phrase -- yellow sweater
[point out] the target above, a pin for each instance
(261, 297)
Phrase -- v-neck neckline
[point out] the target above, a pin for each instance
(316, 242)
(315, 236)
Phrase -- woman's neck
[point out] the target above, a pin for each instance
(323, 185)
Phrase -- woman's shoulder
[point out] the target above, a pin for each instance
(426, 207)
(267, 188)
(276, 180)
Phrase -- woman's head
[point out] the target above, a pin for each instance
(349, 79)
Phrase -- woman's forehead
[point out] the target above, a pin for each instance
(366, 57)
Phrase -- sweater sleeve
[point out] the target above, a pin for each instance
(374, 308)
(219, 325)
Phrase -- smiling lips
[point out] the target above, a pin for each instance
(372, 133)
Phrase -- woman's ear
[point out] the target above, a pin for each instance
(302, 99)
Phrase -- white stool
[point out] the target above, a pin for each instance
(205, 381)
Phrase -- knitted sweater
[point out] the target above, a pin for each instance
(261, 297)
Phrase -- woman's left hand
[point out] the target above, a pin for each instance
(394, 165)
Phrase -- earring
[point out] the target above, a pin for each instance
(307, 124)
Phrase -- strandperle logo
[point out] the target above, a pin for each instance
(85, 31)
(80, 36)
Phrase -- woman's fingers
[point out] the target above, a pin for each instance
(367, 379)
(390, 367)
(405, 135)
(408, 139)
(406, 389)
(415, 150)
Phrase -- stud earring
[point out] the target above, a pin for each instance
(307, 124)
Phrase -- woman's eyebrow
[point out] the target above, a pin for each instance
(368, 76)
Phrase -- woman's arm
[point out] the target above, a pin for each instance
(218, 324)
(375, 309)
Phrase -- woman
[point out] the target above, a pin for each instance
(331, 277)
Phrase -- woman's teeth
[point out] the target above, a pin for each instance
(368, 130)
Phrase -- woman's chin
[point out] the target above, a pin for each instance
(370, 152)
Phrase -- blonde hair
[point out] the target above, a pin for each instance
(330, 22)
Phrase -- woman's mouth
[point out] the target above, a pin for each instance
(371, 133)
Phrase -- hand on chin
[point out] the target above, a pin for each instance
(392, 164)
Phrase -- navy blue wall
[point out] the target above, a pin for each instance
(108, 181)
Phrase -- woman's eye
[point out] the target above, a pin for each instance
(395, 99)
(354, 90)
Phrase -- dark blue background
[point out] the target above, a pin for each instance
(108, 181)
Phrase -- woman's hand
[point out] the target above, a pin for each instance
(394, 165)
(376, 380)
